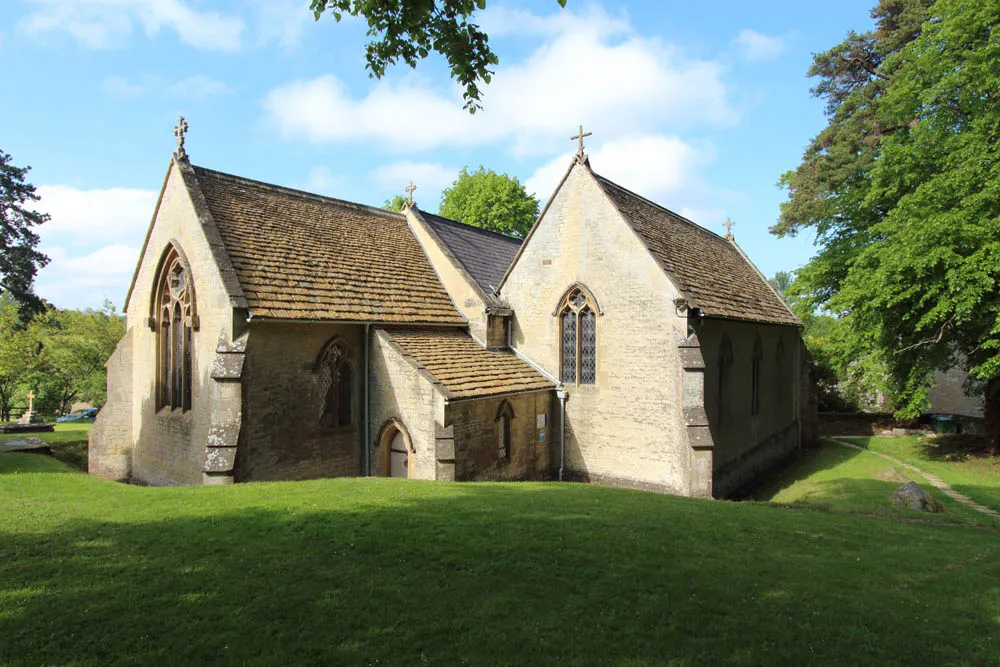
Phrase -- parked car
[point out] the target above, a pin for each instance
(84, 415)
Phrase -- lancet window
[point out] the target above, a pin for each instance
(725, 364)
(174, 319)
(755, 360)
(504, 416)
(578, 335)
(336, 386)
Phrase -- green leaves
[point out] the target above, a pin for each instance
(409, 30)
(19, 258)
(903, 190)
(489, 200)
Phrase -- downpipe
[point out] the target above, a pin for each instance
(562, 395)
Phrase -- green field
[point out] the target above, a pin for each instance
(68, 441)
(378, 571)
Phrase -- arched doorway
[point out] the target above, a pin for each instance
(395, 451)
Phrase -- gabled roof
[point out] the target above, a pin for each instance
(711, 271)
(307, 257)
(484, 255)
(462, 368)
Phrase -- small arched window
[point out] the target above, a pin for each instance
(504, 416)
(336, 387)
(725, 363)
(755, 359)
(173, 319)
(578, 336)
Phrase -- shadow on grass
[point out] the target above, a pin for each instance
(381, 571)
(808, 462)
(957, 447)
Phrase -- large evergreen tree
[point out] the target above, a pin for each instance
(903, 190)
(19, 257)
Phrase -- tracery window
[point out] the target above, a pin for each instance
(173, 319)
(578, 335)
(336, 384)
(755, 359)
(725, 363)
(504, 415)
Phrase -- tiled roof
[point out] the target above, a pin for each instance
(306, 257)
(709, 269)
(485, 255)
(462, 367)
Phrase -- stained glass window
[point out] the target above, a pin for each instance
(578, 329)
(336, 389)
(173, 309)
(569, 346)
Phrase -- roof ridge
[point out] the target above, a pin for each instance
(466, 225)
(301, 193)
(659, 206)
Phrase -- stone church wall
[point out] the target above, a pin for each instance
(110, 453)
(282, 437)
(947, 396)
(746, 444)
(400, 393)
(477, 444)
(169, 446)
(627, 428)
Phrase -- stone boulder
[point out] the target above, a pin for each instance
(913, 496)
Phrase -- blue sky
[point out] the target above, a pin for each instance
(698, 106)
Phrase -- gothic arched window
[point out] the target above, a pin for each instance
(336, 383)
(173, 319)
(578, 336)
(755, 359)
(725, 363)
(504, 415)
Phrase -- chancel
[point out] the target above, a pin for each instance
(275, 334)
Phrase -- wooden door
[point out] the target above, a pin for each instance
(398, 456)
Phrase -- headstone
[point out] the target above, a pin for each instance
(30, 416)
(25, 445)
(912, 496)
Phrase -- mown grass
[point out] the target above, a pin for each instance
(68, 441)
(837, 478)
(378, 571)
(956, 460)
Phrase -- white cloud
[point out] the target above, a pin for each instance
(321, 181)
(428, 176)
(282, 22)
(595, 71)
(93, 241)
(198, 87)
(758, 46)
(659, 167)
(122, 88)
(102, 24)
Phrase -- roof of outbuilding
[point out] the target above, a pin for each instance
(462, 367)
(485, 255)
(709, 269)
(307, 257)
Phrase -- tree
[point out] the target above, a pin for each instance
(75, 345)
(394, 204)
(490, 200)
(19, 259)
(781, 281)
(408, 30)
(902, 190)
(18, 353)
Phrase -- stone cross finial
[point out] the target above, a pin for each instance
(409, 193)
(729, 224)
(179, 131)
(579, 137)
(31, 400)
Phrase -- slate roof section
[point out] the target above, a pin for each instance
(710, 270)
(485, 255)
(462, 367)
(301, 256)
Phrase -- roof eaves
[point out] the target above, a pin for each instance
(408, 358)
(798, 321)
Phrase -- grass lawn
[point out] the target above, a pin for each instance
(967, 470)
(838, 478)
(366, 571)
(68, 441)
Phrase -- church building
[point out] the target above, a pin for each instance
(274, 334)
